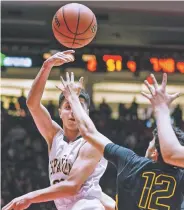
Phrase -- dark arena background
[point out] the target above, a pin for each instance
(133, 40)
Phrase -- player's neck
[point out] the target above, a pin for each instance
(71, 135)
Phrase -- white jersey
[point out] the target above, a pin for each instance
(61, 159)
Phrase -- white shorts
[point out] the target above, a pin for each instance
(85, 204)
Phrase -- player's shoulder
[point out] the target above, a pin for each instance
(59, 134)
(88, 150)
(130, 155)
(161, 167)
(141, 162)
(57, 139)
(181, 173)
(87, 147)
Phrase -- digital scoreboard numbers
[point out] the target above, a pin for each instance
(120, 63)
(109, 63)
(167, 65)
(91, 62)
(113, 62)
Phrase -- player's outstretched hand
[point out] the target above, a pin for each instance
(69, 86)
(158, 95)
(20, 203)
(60, 58)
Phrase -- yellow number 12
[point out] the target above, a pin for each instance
(150, 199)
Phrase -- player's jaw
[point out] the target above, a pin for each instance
(72, 124)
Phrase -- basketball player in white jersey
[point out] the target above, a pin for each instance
(75, 167)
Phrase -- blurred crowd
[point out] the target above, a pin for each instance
(25, 155)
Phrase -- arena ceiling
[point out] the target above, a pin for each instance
(28, 23)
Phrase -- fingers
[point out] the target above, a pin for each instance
(65, 58)
(63, 82)
(164, 82)
(155, 84)
(146, 95)
(174, 96)
(67, 77)
(68, 52)
(72, 77)
(81, 81)
(149, 87)
(59, 87)
(9, 206)
(70, 84)
(68, 80)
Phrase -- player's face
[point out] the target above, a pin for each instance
(151, 151)
(66, 114)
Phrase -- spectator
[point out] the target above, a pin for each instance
(133, 109)
(122, 111)
(22, 103)
(105, 109)
(12, 106)
(177, 115)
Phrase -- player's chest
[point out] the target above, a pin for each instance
(62, 158)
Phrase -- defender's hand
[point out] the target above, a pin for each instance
(159, 96)
(60, 58)
(69, 86)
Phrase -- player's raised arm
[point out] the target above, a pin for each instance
(172, 151)
(41, 116)
(112, 152)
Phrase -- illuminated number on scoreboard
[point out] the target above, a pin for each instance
(180, 66)
(91, 62)
(154, 199)
(118, 65)
(132, 66)
(165, 64)
(113, 62)
(110, 65)
(113, 65)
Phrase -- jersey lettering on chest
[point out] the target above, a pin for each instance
(63, 165)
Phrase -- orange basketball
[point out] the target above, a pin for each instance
(74, 25)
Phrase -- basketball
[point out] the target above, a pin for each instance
(74, 25)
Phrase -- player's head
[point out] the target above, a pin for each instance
(154, 151)
(65, 111)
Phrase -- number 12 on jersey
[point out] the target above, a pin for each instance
(155, 199)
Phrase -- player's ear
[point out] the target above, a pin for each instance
(154, 155)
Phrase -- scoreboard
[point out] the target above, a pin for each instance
(120, 63)
(109, 60)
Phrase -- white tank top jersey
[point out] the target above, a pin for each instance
(61, 159)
